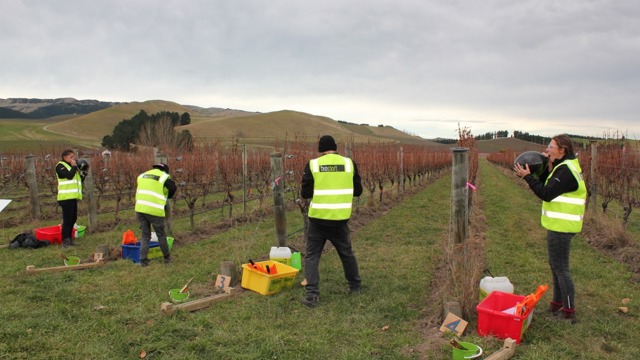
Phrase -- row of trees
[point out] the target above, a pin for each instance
(156, 130)
(229, 172)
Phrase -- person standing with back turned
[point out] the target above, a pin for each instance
(69, 192)
(563, 194)
(330, 181)
(154, 188)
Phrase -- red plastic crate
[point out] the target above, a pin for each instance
(52, 234)
(493, 320)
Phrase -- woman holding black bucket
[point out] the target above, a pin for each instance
(70, 177)
(563, 194)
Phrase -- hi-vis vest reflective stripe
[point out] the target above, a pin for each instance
(565, 212)
(333, 187)
(69, 189)
(151, 196)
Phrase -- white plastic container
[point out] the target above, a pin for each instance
(280, 254)
(489, 284)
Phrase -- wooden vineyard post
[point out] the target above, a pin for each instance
(593, 189)
(88, 187)
(161, 158)
(278, 198)
(244, 179)
(459, 193)
(33, 187)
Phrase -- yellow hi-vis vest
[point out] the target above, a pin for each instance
(565, 212)
(333, 187)
(69, 189)
(151, 196)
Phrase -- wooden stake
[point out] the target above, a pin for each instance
(507, 351)
(169, 308)
(32, 269)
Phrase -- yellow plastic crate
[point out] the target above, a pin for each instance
(267, 284)
(155, 251)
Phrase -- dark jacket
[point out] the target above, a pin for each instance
(562, 182)
(171, 186)
(306, 192)
(63, 173)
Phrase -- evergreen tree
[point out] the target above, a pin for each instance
(185, 119)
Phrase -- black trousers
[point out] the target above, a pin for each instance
(559, 246)
(146, 221)
(69, 217)
(341, 240)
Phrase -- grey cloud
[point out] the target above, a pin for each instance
(547, 61)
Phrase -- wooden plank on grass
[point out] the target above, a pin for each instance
(32, 269)
(507, 351)
(169, 308)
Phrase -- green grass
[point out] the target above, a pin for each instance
(113, 312)
(516, 247)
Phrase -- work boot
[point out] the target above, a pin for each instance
(144, 262)
(167, 259)
(568, 315)
(67, 243)
(355, 290)
(310, 301)
(554, 307)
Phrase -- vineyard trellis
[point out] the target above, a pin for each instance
(215, 171)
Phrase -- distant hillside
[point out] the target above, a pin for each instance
(6, 113)
(47, 108)
(90, 120)
(225, 124)
(217, 112)
(509, 143)
(269, 127)
(100, 123)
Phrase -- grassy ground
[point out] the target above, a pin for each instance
(516, 248)
(113, 312)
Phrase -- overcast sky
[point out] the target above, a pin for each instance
(423, 66)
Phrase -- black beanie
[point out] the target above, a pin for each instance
(161, 166)
(327, 143)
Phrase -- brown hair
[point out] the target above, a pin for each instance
(67, 152)
(564, 141)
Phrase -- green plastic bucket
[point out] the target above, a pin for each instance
(72, 260)
(471, 351)
(177, 297)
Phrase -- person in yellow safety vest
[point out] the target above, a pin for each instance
(563, 193)
(155, 187)
(330, 181)
(70, 180)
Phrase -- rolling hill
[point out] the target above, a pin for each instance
(225, 124)
(503, 144)
(213, 124)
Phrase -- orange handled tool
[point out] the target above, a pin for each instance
(257, 267)
(531, 300)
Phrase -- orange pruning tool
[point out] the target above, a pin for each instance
(531, 300)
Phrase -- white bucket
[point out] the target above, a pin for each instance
(280, 254)
(489, 284)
